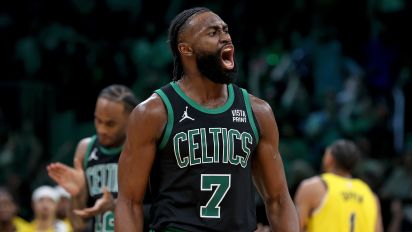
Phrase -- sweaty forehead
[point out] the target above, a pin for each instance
(202, 21)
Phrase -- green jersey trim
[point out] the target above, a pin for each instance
(88, 150)
(217, 110)
(170, 118)
(250, 114)
(111, 151)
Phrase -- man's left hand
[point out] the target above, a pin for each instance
(105, 203)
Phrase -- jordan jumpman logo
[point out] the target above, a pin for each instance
(184, 116)
(93, 155)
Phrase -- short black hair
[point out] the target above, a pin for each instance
(345, 153)
(174, 30)
(122, 94)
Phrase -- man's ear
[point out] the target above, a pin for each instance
(185, 49)
(328, 161)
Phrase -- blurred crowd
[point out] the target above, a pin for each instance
(330, 69)
(50, 207)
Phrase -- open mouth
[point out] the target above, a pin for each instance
(226, 55)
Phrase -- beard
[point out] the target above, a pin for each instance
(210, 66)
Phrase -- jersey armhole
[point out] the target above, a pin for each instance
(170, 118)
(324, 184)
(88, 150)
(324, 198)
(250, 115)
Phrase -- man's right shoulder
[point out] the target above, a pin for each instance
(82, 147)
(313, 187)
(152, 107)
(149, 116)
(312, 182)
(311, 191)
(84, 142)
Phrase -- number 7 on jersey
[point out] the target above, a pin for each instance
(222, 184)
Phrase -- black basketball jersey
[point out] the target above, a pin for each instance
(100, 166)
(201, 178)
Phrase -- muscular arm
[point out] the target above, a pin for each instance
(308, 197)
(268, 173)
(144, 129)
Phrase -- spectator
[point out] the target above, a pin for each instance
(63, 206)
(45, 200)
(9, 221)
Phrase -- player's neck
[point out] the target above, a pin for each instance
(203, 90)
(341, 173)
(116, 145)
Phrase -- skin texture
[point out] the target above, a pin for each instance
(311, 192)
(205, 32)
(110, 123)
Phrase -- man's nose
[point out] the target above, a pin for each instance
(225, 37)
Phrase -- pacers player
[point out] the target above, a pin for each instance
(92, 183)
(335, 201)
(205, 142)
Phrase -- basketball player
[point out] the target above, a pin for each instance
(93, 180)
(205, 142)
(335, 201)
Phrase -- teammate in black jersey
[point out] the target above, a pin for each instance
(205, 142)
(92, 182)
